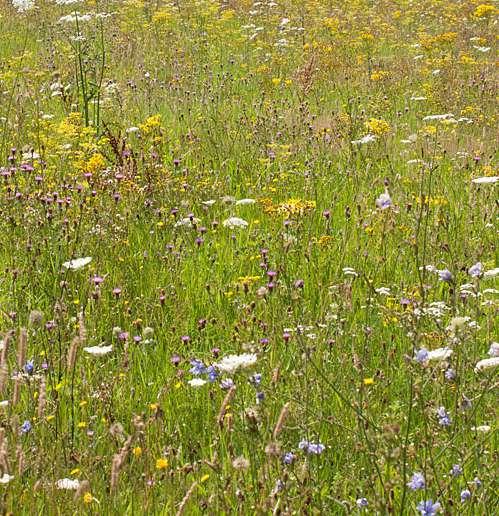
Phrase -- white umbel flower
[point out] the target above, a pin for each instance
(486, 363)
(187, 222)
(368, 138)
(235, 222)
(70, 484)
(77, 263)
(232, 363)
(245, 202)
(485, 180)
(22, 6)
(196, 382)
(98, 351)
(439, 354)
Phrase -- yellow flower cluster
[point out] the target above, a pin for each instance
(485, 10)
(377, 126)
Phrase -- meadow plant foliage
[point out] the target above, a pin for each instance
(248, 257)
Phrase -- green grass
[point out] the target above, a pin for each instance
(219, 112)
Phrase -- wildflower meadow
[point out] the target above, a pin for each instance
(248, 257)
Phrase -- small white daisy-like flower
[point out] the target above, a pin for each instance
(77, 263)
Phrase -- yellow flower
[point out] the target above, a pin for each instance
(151, 124)
(485, 10)
(204, 478)
(137, 451)
(161, 463)
(82, 424)
(88, 498)
(368, 381)
(377, 126)
(379, 75)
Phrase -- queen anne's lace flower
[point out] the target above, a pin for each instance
(231, 363)
(77, 263)
(21, 6)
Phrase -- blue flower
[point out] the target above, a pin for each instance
(475, 271)
(428, 508)
(456, 470)
(465, 495)
(417, 482)
(256, 379)
(477, 482)
(443, 417)
(26, 427)
(29, 367)
(311, 448)
(362, 502)
(450, 374)
(421, 356)
(288, 458)
(212, 373)
(445, 275)
(198, 368)
(227, 383)
(260, 396)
